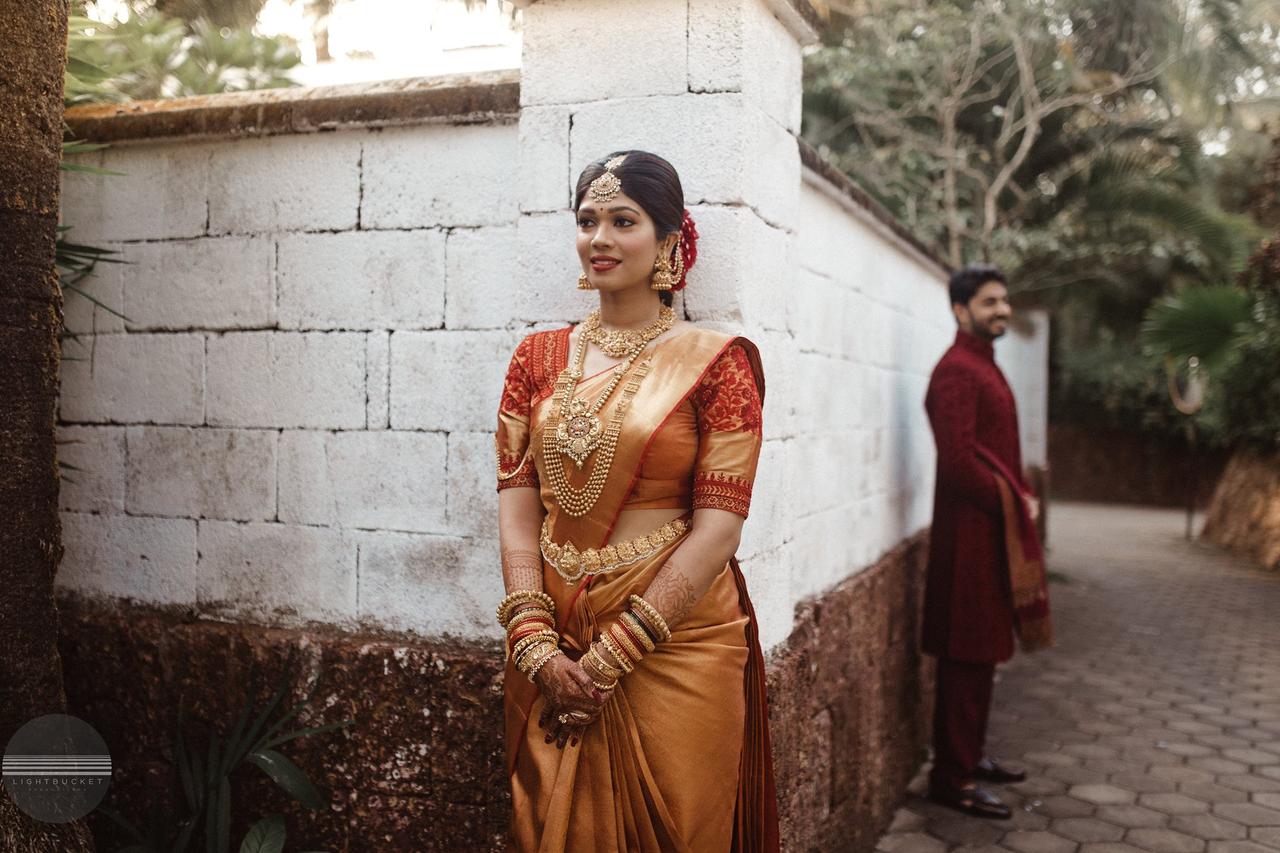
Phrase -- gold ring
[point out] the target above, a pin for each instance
(579, 716)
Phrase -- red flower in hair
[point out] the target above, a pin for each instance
(688, 248)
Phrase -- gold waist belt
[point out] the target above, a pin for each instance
(572, 564)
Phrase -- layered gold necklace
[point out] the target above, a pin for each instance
(579, 431)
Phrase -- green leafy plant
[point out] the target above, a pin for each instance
(203, 778)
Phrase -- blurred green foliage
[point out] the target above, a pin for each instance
(156, 55)
(1155, 173)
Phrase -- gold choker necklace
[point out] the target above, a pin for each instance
(616, 343)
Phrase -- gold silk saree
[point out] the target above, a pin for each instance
(679, 759)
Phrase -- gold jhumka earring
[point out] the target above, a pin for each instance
(584, 283)
(664, 276)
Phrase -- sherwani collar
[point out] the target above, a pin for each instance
(975, 345)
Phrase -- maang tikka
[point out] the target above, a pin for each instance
(607, 186)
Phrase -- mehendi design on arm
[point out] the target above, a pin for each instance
(672, 593)
(522, 569)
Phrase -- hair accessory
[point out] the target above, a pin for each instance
(607, 186)
(688, 248)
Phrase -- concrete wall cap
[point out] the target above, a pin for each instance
(489, 97)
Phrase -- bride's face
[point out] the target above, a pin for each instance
(617, 243)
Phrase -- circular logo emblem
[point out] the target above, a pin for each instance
(56, 768)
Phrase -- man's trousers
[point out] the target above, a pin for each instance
(960, 720)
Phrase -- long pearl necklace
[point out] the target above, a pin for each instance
(579, 432)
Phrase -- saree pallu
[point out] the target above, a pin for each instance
(679, 759)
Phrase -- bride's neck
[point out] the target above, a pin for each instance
(631, 309)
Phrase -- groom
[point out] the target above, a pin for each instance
(969, 617)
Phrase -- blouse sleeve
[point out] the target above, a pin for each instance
(727, 403)
(515, 462)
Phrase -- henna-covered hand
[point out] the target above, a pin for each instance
(567, 689)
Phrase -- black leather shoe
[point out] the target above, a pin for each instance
(971, 799)
(990, 770)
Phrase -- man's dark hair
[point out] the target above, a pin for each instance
(965, 282)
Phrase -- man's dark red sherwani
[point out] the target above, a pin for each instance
(968, 613)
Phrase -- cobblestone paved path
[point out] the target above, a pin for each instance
(1154, 724)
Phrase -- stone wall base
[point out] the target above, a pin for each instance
(1245, 513)
(421, 768)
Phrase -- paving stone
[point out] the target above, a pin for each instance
(1063, 806)
(1052, 759)
(1086, 829)
(1102, 794)
(1109, 847)
(1208, 827)
(1173, 804)
(906, 821)
(1143, 783)
(1040, 786)
(1249, 782)
(1038, 842)
(966, 830)
(1176, 773)
(1238, 847)
(1164, 841)
(1076, 775)
(1270, 800)
(1251, 756)
(1132, 816)
(1212, 793)
(1193, 750)
(1269, 835)
(1217, 765)
(1249, 814)
(911, 842)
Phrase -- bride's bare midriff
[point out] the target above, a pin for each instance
(638, 522)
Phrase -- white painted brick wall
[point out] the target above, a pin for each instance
(210, 283)
(297, 423)
(301, 182)
(286, 379)
(106, 381)
(362, 280)
(380, 480)
(187, 472)
(436, 175)
(574, 52)
(270, 572)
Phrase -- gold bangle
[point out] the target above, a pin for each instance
(520, 596)
(526, 643)
(528, 613)
(618, 654)
(612, 673)
(604, 688)
(653, 617)
(533, 671)
(637, 630)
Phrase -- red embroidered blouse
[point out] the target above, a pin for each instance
(704, 455)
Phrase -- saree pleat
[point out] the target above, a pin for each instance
(678, 760)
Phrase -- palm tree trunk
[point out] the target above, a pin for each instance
(33, 40)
